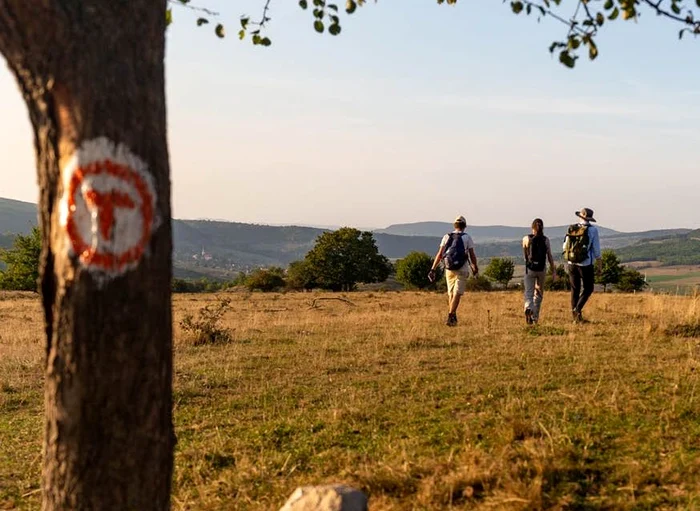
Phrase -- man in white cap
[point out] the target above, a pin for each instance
(581, 250)
(456, 250)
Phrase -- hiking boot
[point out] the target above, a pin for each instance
(578, 317)
(451, 320)
(528, 316)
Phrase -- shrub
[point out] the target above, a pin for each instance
(22, 263)
(206, 328)
(562, 282)
(412, 270)
(630, 281)
(500, 269)
(300, 276)
(268, 279)
(479, 284)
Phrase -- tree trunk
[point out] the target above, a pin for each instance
(94, 71)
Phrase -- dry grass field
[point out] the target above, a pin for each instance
(379, 394)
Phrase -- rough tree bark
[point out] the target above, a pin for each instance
(91, 69)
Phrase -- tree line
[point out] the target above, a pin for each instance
(339, 261)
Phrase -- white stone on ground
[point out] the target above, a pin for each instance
(326, 498)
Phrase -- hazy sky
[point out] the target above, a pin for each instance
(418, 112)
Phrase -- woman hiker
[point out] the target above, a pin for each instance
(537, 251)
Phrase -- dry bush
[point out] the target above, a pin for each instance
(206, 328)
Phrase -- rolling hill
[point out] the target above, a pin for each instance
(220, 249)
(668, 250)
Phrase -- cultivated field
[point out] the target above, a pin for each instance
(379, 394)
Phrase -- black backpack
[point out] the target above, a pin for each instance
(537, 254)
(455, 254)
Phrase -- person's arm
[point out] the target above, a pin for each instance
(526, 240)
(473, 262)
(595, 250)
(438, 258)
(551, 260)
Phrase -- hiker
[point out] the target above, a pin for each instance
(456, 250)
(581, 250)
(537, 251)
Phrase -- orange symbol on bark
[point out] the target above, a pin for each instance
(106, 204)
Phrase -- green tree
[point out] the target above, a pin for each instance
(22, 263)
(500, 269)
(342, 258)
(266, 279)
(611, 269)
(300, 276)
(412, 270)
(630, 281)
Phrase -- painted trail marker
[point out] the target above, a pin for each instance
(108, 208)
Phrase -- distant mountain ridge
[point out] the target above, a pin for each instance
(220, 249)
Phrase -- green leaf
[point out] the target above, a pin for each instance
(318, 25)
(609, 5)
(600, 19)
(202, 21)
(244, 22)
(614, 14)
(257, 39)
(318, 13)
(567, 59)
(168, 17)
(517, 7)
(219, 30)
(350, 6)
(266, 41)
(241, 34)
(334, 29)
(303, 4)
(675, 8)
(333, 6)
(697, 2)
(592, 50)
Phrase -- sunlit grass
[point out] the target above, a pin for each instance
(381, 395)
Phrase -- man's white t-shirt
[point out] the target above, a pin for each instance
(468, 244)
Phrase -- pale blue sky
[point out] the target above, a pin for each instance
(418, 112)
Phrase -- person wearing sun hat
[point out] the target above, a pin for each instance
(581, 251)
(456, 251)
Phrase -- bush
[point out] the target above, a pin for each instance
(412, 270)
(195, 286)
(479, 284)
(268, 279)
(561, 284)
(22, 263)
(206, 329)
(630, 281)
(500, 269)
(300, 276)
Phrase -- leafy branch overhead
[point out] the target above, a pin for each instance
(582, 23)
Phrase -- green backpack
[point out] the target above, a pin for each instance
(577, 244)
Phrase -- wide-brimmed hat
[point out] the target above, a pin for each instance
(460, 220)
(585, 214)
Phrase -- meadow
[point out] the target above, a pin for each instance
(376, 392)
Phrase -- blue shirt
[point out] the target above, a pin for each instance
(593, 247)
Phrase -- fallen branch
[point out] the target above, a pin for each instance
(344, 300)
